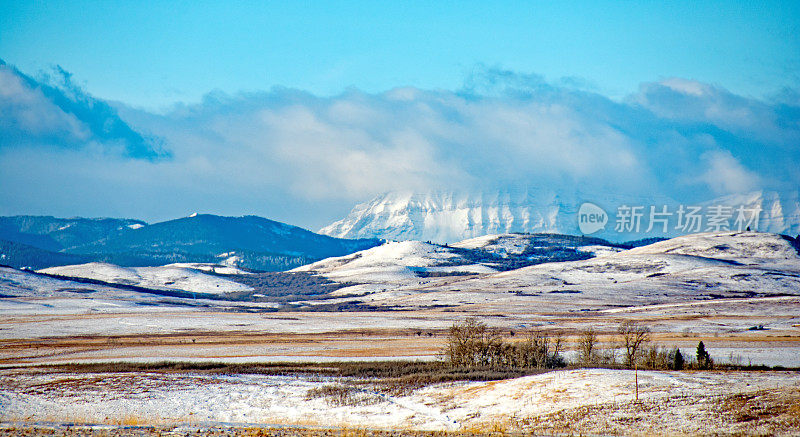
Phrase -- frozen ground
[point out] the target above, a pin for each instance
(671, 402)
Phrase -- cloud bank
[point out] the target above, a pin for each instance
(293, 156)
(55, 112)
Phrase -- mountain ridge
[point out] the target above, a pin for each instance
(247, 241)
(446, 217)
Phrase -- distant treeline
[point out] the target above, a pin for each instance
(473, 345)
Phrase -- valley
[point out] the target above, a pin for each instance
(304, 348)
(398, 300)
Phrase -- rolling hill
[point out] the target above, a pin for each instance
(250, 242)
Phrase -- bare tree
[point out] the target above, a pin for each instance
(587, 347)
(541, 351)
(471, 344)
(633, 336)
(558, 344)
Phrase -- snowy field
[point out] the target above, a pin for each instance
(671, 402)
(196, 335)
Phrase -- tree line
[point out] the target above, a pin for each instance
(471, 344)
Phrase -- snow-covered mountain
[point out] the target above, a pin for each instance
(449, 216)
(779, 211)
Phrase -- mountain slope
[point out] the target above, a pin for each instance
(452, 216)
(251, 242)
(449, 217)
(539, 246)
(54, 234)
(211, 235)
(692, 268)
(398, 263)
(20, 255)
(779, 212)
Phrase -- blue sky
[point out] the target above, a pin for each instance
(297, 111)
(151, 54)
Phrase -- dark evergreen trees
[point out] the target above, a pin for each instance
(704, 360)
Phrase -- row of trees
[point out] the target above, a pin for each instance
(634, 344)
(472, 344)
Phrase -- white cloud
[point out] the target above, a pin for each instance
(694, 102)
(293, 156)
(28, 114)
(726, 175)
(689, 87)
(60, 114)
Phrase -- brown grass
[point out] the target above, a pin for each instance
(766, 412)
(288, 431)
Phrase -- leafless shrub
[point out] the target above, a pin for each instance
(592, 352)
(339, 395)
(539, 351)
(655, 357)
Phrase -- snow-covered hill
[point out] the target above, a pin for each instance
(403, 263)
(413, 263)
(508, 266)
(449, 217)
(511, 245)
(690, 268)
(184, 277)
(739, 247)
